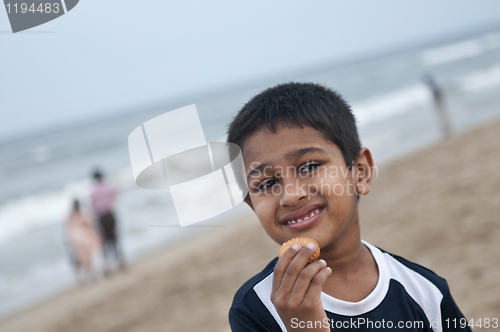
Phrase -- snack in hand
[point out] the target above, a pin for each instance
(303, 241)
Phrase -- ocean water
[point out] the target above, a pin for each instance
(42, 173)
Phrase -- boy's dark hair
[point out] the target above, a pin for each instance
(299, 104)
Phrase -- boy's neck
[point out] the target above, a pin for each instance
(345, 250)
(354, 270)
(345, 255)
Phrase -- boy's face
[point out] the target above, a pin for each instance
(299, 184)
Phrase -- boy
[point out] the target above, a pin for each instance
(305, 169)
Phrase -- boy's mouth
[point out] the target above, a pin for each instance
(303, 217)
(309, 215)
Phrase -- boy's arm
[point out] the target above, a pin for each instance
(296, 292)
(452, 317)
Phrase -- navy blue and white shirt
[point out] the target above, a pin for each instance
(407, 296)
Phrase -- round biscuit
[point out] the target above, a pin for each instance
(303, 241)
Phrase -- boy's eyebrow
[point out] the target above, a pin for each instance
(300, 152)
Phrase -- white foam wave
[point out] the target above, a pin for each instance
(460, 50)
(19, 216)
(385, 106)
(481, 80)
(23, 215)
(451, 52)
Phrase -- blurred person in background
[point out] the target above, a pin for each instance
(84, 243)
(103, 200)
(439, 105)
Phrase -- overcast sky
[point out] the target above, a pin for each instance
(104, 56)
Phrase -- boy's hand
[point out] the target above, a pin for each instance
(297, 289)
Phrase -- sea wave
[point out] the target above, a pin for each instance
(451, 52)
(381, 107)
(481, 80)
(28, 213)
(460, 50)
(31, 212)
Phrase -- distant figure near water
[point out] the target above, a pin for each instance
(103, 199)
(84, 242)
(439, 106)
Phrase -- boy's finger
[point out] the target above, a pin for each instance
(295, 266)
(283, 262)
(313, 293)
(304, 279)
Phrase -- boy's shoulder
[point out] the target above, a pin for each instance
(249, 285)
(252, 309)
(403, 269)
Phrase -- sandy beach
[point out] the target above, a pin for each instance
(439, 207)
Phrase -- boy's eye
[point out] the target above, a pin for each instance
(308, 168)
(268, 184)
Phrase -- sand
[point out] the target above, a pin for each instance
(439, 207)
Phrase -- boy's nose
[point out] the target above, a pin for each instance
(293, 191)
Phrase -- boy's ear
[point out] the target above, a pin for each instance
(363, 171)
(249, 203)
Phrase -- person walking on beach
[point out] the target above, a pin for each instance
(84, 242)
(103, 199)
(439, 106)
